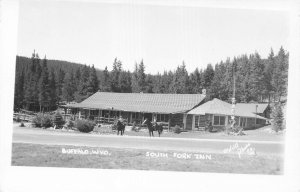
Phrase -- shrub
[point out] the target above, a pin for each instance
(18, 119)
(84, 125)
(37, 120)
(46, 121)
(278, 118)
(22, 124)
(58, 120)
(208, 126)
(42, 120)
(69, 124)
(177, 129)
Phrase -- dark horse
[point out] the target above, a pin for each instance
(120, 127)
(153, 127)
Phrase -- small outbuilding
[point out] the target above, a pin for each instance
(219, 113)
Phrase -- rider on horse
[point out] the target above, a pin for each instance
(120, 125)
(153, 126)
(121, 119)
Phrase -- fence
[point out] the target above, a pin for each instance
(28, 116)
(23, 117)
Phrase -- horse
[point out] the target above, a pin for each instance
(120, 127)
(153, 127)
(158, 127)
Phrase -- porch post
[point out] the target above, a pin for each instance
(193, 123)
(98, 120)
(184, 121)
(79, 114)
(130, 117)
(169, 124)
(226, 120)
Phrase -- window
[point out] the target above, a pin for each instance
(135, 115)
(219, 120)
(162, 117)
(197, 118)
(243, 121)
(94, 112)
(260, 121)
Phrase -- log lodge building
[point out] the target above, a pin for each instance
(170, 109)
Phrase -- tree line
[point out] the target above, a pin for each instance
(41, 86)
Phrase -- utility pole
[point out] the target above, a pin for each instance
(233, 99)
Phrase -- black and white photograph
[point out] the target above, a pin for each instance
(150, 86)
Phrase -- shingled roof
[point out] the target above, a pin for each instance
(219, 107)
(141, 102)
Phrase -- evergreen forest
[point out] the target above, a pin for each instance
(43, 85)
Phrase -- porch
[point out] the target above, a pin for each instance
(109, 116)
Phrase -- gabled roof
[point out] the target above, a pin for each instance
(219, 107)
(214, 106)
(261, 107)
(141, 102)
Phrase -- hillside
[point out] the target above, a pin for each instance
(22, 62)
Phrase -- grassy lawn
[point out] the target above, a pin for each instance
(112, 158)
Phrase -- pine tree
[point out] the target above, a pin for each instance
(19, 90)
(216, 86)
(256, 77)
(134, 80)
(82, 88)
(162, 83)
(44, 91)
(77, 76)
(138, 82)
(125, 82)
(175, 87)
(268, 74)
(280, 74)
(69, 87)
(208, 76)
(278, 118)
(59, 84)
(158, 84)
(149, 81)
(115, 76)
(243, 79)
(141, 77)
(93, 83)
(181, 83)
(105, 81)
(53, 91)
(195, 82)
(32, 75)
(167, 81)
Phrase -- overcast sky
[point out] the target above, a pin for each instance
(163, 36)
